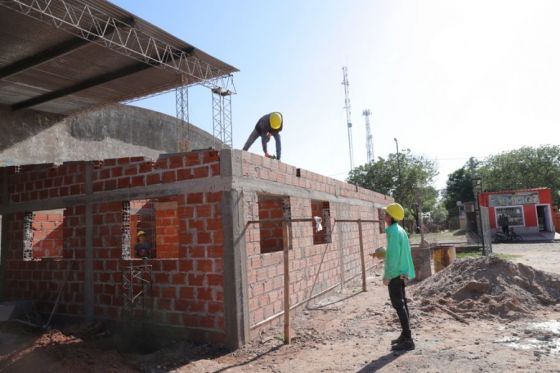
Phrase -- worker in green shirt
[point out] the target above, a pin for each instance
(398, 270)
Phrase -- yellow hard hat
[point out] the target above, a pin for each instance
(140, 233)
(275, 120)
(396, 211)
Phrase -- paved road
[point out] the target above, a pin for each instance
(543, 256)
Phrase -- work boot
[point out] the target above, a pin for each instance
(406, 345)
(398, 340)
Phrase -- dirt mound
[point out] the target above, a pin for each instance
(488, 287)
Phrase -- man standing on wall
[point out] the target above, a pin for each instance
(268, 126)
(398, 270)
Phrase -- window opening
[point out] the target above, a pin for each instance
(321, 224)
(43, 235)
(272, 211)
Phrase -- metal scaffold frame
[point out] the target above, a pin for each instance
(136, 280)
(120, 35)
(221, 117)
(182, 113)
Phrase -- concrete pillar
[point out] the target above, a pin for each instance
(88, 260)
(235, 256)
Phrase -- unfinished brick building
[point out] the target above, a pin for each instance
(215, 222)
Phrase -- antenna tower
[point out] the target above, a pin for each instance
(369, 137)
(345, 83)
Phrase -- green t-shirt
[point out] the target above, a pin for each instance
(398, 258)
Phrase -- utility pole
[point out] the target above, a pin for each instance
(369, 137)
(345, 83)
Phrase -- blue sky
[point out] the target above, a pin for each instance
(449, 79)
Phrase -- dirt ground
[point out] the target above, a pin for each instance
(348, 332)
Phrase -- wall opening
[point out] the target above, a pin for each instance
(272, 211)
(43, 234)
(321, 224)
(151, 229)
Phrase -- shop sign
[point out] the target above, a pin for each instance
(513, 199)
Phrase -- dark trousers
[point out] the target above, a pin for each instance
(398, 300)
(252, 137)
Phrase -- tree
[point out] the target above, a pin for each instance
(526, 167)
(406, 178)
(459, 186)
(439, 214)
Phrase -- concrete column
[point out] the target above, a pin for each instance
(88, 260)
(236, 302)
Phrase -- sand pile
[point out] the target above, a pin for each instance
(488, 287)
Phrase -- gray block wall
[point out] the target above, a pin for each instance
(114, 131)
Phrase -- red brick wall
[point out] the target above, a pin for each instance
(313, 267)
(41, 279)
(47, 233)
(187, 290)
(167, 230)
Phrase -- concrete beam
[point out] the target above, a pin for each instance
(211, 184)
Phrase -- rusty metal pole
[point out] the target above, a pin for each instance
(286, 243)
(362, 257)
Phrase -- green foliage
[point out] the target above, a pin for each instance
(406, 178)
(526, 167)
(439, 214)
(459, 186)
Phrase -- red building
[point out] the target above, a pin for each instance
(529, 211)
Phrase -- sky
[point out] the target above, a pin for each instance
(448, 79)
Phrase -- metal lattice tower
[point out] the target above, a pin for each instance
(221, 117)
(182, 113)
(369, 136)
(345, 83)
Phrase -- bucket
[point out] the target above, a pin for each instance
(443, 256)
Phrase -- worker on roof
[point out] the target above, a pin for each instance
(268, 126)
(398, 270)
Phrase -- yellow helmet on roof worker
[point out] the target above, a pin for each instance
(275, 120)
(140, 233)
(395, 210)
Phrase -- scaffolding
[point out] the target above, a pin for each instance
(136, 283)
(221, 117)
(182, 113)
